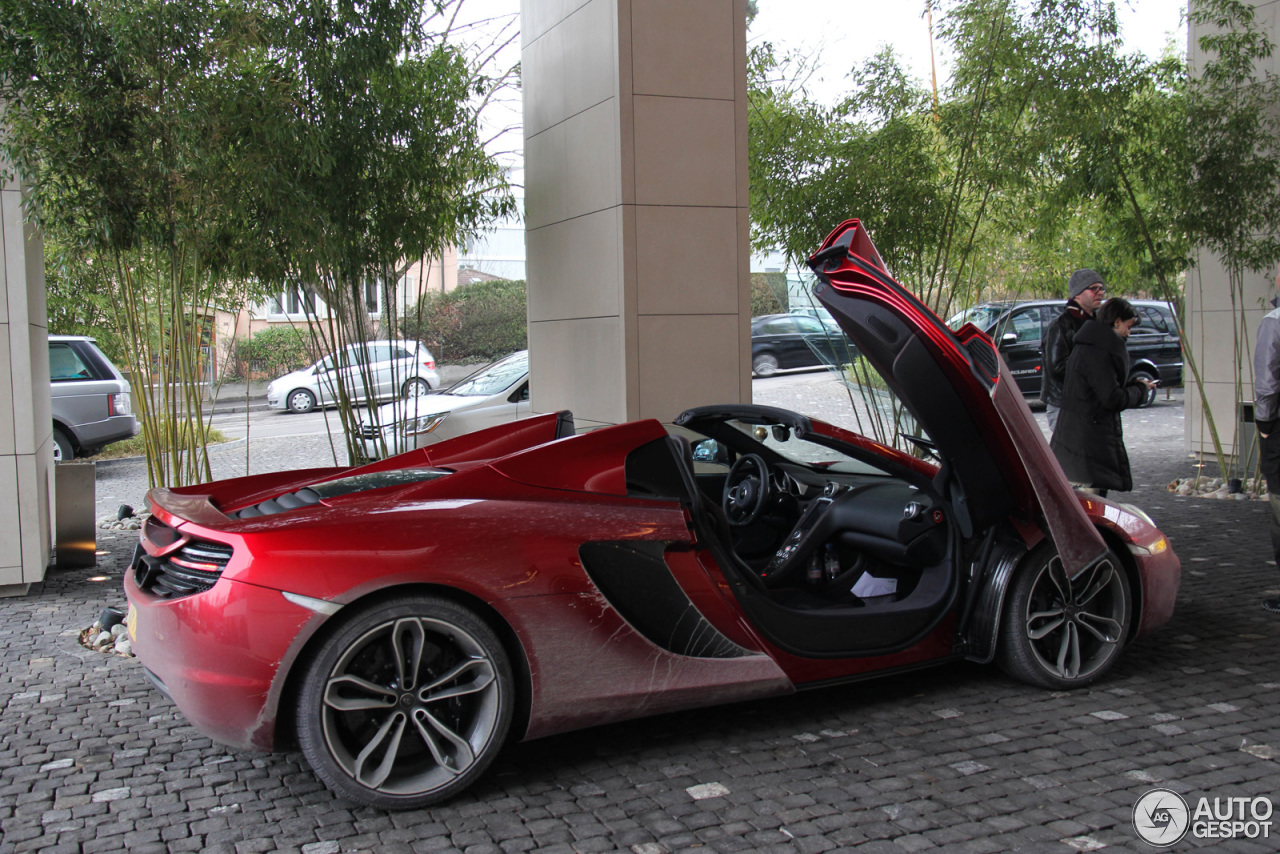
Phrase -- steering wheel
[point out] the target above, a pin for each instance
(746, 490)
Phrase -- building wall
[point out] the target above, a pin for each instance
(26, 420)
(1221, 327)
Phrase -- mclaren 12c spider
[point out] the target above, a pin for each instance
(400, 621)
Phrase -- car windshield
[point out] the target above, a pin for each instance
(981, 316)
(803, 451)
(495, 378)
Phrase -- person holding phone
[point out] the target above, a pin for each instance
(1089, 440)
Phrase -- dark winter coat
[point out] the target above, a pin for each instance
(1089, 439)
(1058, 340)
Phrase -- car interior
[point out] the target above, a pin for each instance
(830, 554)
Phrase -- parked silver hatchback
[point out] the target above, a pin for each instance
(394, 368)
(92, 404)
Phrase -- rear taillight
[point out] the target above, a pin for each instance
(118, 404)
(429, 364)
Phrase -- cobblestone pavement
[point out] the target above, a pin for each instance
(956, 759)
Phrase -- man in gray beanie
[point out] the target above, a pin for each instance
(1085, 292)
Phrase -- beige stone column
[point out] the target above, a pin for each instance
(26, 432)
(1222, 330)
(1221, 338)
(635, 124)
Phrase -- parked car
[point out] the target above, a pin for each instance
(407, 617)
(783, 341)
(1017, 328)
(92, 404)
(495, 394)
(404, 368)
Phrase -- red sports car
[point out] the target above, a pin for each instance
(402, 620)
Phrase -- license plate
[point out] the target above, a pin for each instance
(131, 623)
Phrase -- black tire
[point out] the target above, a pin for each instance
(63, 450)
(416, 387)
(1149, 397)
(764, 365)
(300, 401)
(1046, 641)
(428, 696)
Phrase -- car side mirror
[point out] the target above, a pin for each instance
(1009, 338)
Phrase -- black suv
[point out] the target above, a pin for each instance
(1018, 328)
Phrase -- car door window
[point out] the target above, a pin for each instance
(1152, 322)
(810, 326)
(1025, 323)
(779, 326)
(65, 364)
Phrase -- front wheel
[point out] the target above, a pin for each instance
(301, 400)
(406, 704)
(764, 365)
(1061, 632)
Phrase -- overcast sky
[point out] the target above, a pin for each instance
(842, 33)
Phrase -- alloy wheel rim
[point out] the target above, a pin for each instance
(1075, 625)
(410, 706)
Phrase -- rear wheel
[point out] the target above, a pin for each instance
(1149, 397)
(301, 400)
(63, 450)
(416, 387)
(1061, 632)
(764, 365)
(406, 704)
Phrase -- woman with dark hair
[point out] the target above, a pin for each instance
(1089, 440)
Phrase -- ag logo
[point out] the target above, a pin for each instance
(1161, 817)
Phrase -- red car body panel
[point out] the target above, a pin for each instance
(1159, 570)
(219, 656)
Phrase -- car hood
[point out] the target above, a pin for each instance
(998, 463)
(427, 404)
(303, 375)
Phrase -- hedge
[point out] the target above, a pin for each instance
(478, 322)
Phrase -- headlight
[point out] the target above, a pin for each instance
(415, 426)
(1156, 548)
(423, 425)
